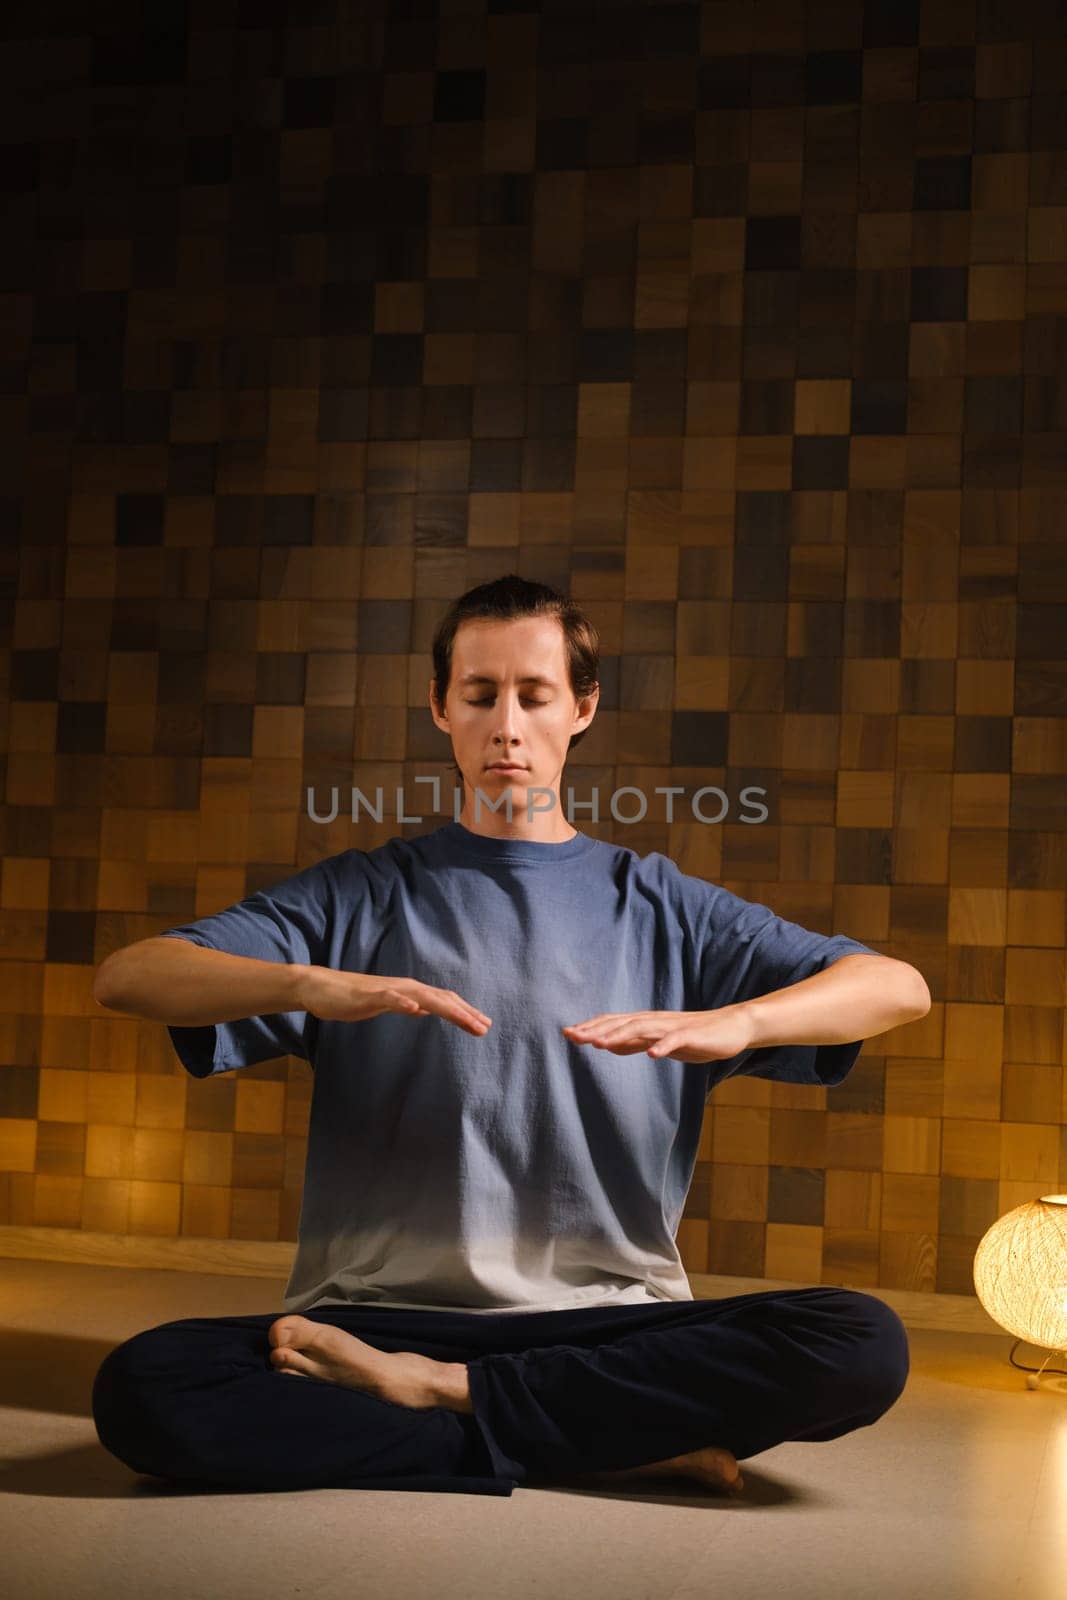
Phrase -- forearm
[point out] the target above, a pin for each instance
(856, 998)
(184, 985)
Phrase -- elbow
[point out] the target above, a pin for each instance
(104, 991)
(919, 1001)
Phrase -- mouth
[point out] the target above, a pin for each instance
(507, 766)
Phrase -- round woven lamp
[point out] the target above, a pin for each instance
(1020, 1274)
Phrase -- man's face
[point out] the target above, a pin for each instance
(492, 714)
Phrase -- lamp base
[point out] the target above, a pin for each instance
(1033, 1380)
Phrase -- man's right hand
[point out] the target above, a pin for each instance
(336, 996)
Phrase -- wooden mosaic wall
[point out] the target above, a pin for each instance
(744, 324)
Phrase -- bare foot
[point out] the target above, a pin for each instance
(711, 1467)
(302, 1348)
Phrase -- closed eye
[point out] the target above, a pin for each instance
(488, 699)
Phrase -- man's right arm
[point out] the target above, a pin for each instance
(173, 981)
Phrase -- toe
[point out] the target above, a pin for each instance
(291, 1361)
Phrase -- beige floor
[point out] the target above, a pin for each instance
(959, 1491)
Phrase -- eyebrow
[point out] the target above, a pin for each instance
(531, 677)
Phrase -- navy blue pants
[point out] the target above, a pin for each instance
(555, 1393)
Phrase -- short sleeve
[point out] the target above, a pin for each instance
(746, 950)
(293, 921)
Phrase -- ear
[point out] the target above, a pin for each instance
(440, 719)
(586, 711)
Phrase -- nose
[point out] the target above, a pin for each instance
(506, 732)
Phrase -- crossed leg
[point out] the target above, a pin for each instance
(302, 1348)
(466, 1403)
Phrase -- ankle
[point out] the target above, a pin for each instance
(452, 1390)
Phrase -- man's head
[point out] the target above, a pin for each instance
(488, 649)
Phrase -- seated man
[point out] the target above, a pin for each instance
(514, 1027)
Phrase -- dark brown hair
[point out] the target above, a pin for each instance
(505, 599)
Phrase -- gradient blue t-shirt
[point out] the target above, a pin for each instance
(516, 1171)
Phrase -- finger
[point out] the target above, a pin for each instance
(666, 1044)
(448, 1004)
(408, 1005)
(618, 1034)
(472, 1011)
(464, 1017)
(626, 1041)
(405, 1002)
(450, 1011)
(590, 1032)
(624, 1028)
(613, 1017)
(401, 1002)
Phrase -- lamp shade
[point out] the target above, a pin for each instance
(1020, 1271)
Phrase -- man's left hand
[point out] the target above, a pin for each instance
(685, 1035)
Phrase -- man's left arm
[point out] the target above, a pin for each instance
(855, 998)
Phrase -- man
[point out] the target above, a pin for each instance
(514, 1028)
